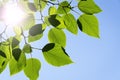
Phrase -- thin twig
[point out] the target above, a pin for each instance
(36, 48)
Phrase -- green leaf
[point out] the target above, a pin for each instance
(61, 20)
(15, 42)
(32, 68)
(2, 54)
(52, 10)
(64, 7)
(48, 47)
(16, 53)
(89, 25)
(53, 21)
(88, 7)
(40, 5)
(46, 20)
(55, 55)
(2, 60)
(23, 4)
(28, 22)
(5, 49)
(35, 30)
(3, 65)
(17, 30)
(17, 66)
(34, 38)
(32, 7)
(44, 25)
(57, 36)
(71, 23)
(27, 48)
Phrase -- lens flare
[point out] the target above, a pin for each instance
(13, 14)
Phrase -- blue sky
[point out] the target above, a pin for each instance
(95, 59)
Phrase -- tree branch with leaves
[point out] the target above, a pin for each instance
(70, 15)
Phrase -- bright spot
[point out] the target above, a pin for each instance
(13, 14)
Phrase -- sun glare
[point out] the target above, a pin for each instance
(13, 14)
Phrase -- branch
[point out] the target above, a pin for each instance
(50, 2)
(22, 33)
(36, 48)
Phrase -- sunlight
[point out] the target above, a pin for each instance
(13, 14)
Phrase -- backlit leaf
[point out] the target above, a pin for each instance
(17, 30)
(89, 7)
(35, 30)
(17, 66)
(28, 22)
(23, 4)
(61, 20)
(71, 23)
(89, 25)
(40, 5)
(63, 8)
(32, 68)
(27, 48)
(16, 53)
(55, 55)
(57, 36)
(5, 50)
(32, 7)
(2, 60)
(53, 21)
(15, 42)
(2, 54)
(3, 64)
(52, 10)
(34, 38)
(46, 20)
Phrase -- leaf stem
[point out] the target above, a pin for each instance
(36, 48)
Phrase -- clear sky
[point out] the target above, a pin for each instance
(95, 59)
